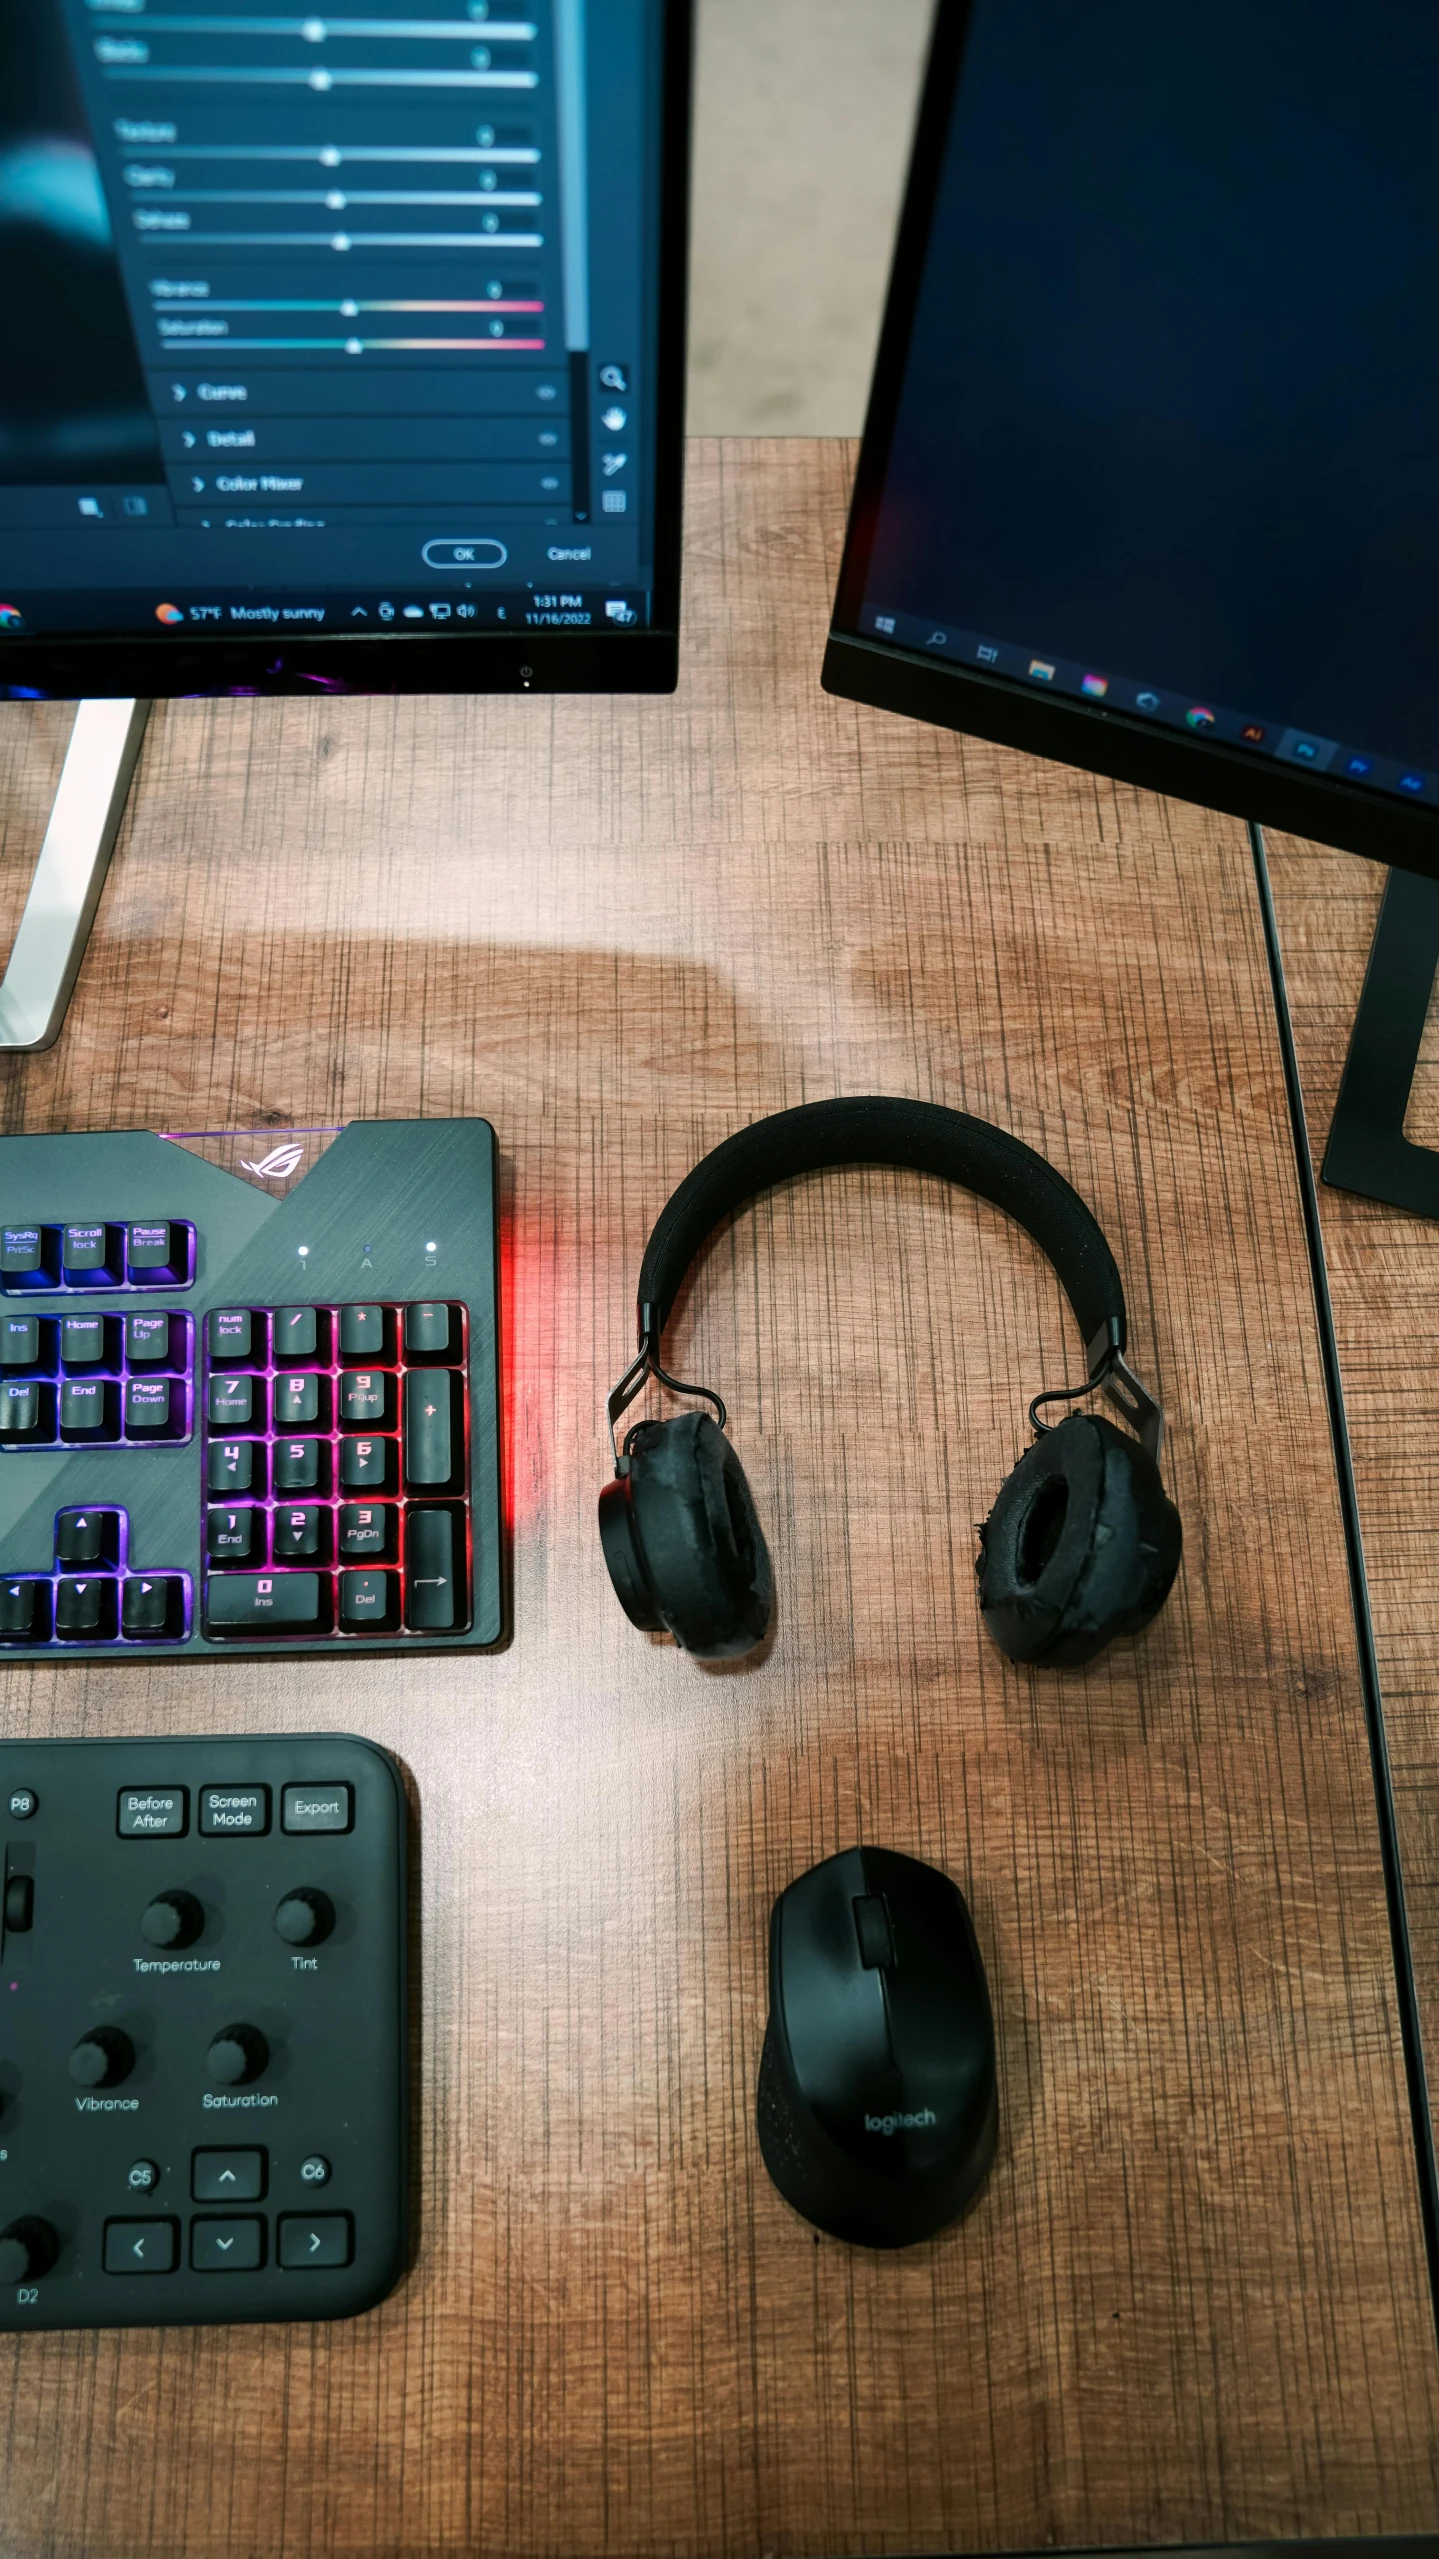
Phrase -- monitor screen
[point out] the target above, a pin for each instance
(1149, 471)
(326, 331)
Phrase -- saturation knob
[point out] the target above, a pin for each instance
(172, 1919)
(305, 1917)
(28, 2249)
(102, 2058)
(238, 2054)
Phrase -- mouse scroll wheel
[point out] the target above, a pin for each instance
(876, 1937)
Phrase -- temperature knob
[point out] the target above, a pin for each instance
(172, 1919)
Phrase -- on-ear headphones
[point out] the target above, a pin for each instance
(1083, 1542)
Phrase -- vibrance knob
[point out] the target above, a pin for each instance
(102, 2058)
(172, 1919)
(306, 1917)
(27, 2249)
(238, 2054)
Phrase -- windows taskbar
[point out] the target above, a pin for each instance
(254, 614)
(1047, 673)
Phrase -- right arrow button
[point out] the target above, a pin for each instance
(315, 2239)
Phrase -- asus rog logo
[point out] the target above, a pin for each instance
(277, 1166)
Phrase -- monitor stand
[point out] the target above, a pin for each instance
(1368, 1151)
(79, 840)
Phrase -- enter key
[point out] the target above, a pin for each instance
(434, 1571)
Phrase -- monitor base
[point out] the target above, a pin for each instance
(65, 891)
(1368, 1151)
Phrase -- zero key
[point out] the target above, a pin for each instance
(262, 1603)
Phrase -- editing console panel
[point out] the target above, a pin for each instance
(203, 2082)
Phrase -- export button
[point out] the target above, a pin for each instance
(464, 551)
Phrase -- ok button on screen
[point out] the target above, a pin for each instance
(465, 551)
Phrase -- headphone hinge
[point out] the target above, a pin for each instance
(1110, 1370)
(1130, 1396)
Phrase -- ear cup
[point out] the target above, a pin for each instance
(700, 1549)
(625, 1563)
(1082, 1544)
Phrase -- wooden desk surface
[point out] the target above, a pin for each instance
(1384, 1287)
(1192, 2303)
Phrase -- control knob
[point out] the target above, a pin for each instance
(238, 2054)
(305, 1917)
(28, 2248)
(102, 2058)
(172, 1919)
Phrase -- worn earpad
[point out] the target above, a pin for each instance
(1082, 1545)
(693, 1538)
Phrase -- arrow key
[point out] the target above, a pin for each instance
(227, 2176)
(153, 1605)
(227, 2247)
(315, 2239)
(87, 1537)
(85, 1610)
(141, 2247)
(25, 1611)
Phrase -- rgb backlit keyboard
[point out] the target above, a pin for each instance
(248, 1391)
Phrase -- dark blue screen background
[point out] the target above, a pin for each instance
(1172, 398)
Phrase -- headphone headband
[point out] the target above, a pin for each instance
(921, 1137)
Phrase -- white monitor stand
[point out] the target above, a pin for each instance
(79, 840)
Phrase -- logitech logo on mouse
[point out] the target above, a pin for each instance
(902, 2123)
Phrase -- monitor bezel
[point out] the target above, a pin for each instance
(1117, 743)
(115, 665)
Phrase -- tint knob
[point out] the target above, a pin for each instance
(27, 2249)
(102, 2058)
(171, 1919)
(238, 2054)
(305, 1918)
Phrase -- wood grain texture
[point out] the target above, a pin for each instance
(1191, 2304)
(1383, 1268)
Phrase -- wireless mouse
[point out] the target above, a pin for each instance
(877, 2107)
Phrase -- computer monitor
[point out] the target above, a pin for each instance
(1148, 481)
(341, 348)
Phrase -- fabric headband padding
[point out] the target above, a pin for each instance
(921, 1137)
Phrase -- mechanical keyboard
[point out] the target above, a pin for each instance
(204, 2108)
(249, 1391)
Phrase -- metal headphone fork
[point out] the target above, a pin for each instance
(1112, 1376)
(642, 1367)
